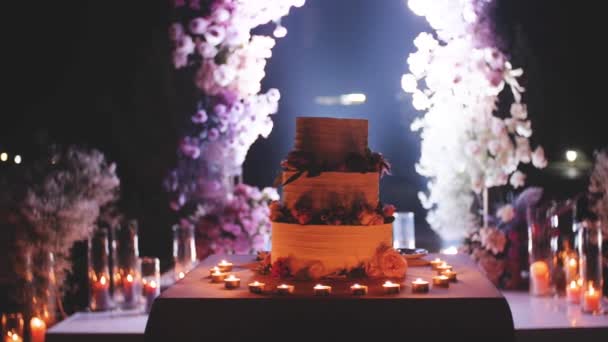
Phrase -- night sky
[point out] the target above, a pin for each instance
(98, 73)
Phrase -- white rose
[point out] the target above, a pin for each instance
(538, 158)
(198, 26)
(519, 111)
(518, 179)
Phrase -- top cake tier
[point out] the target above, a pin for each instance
(330, 140)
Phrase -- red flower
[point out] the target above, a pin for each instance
(388, 210)
(280, 268)
(275, 211)
(297, 161)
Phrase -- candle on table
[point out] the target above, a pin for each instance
(181, 275)
(539, 278)
(256, 287)
(151, 291)
(232, 282)
(100, 290)
(218, 277)
(435, 263)
(573, 292)
(128, 288)
(322, 290)
(214, 269)
(571, 269)
(37, 330)
(13, 337)
(285, 289)
(443, 267)
(450, 274)
(358, 290)
(225, 266)
(420, 286)
(391, 288)
(592, 299)
(441, 281)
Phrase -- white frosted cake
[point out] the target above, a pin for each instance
(330, 220)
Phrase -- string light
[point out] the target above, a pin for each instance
(17, 159)
(3, 156)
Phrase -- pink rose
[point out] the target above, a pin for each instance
(372, 268)
(392, 264)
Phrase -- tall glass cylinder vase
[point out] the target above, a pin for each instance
(184, 249)
(541, 252)
(99, 273)
(590, 253)
(150, 268)
(127, 274)
(42, 285)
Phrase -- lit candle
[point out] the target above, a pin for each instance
(391, 288)
(591, 299)
(225, 266)
(37, 330)
(128, 288)
(218, 277)
(100, 290)
(441, 281)
(322, 290)
(443, 267)
(214, 269)
(181, 275)
(358, 290)
(420, 286)
(435, 263)
(571, 269)
(151, 291)
(232, 282)
(450, 274)
(256, 287)
(539, 278)
(285, 289)
(13, 337)
(573, 292)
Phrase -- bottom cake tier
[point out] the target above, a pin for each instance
(326, 249)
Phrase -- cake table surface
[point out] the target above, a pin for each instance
(194, 309)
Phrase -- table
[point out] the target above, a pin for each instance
(195, 310)
(112, 326)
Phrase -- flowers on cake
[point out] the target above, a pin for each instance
(305, 162)
(281, 268)
(360, 214)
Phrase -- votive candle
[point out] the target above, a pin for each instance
(218, 277)
(539, 278)
(151, 291)
(571, 269)
(391, 288)
(441, 281)
(100, 290)
(591, 299)
(573, 292)
(232, 282)
(443, 267)
(420, 286)
(358, 290)
(225, 266)
(13, 337)
(322, 290)
(256, 287)
(285, 289)
(214, 269)
(435, 263)
(450, 274)
(37, 330)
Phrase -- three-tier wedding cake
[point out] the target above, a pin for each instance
(330, 220)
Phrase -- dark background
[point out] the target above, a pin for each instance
(98, 73)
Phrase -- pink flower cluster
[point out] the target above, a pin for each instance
(241, 227)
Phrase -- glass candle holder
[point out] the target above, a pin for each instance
(42, 285)
(590, 271)
(540, 250)
(150, 271)
(184, 249)
(403, 230)
(99, 274)
(127, 274)
(12, 327)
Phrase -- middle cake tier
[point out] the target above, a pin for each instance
(330, 189)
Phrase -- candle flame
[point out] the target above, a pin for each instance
(15, 337)
(444, 264)
(152, 284)
(129, 278)
(283, 286)
(102, 280)
(356, 286)
(437, 260)
(37, 323)
(572, 262)
(232, 277)
(579, 282)
(573, 284)
(388, 283)
(256, 283)
(224, 262)
(181, 275)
